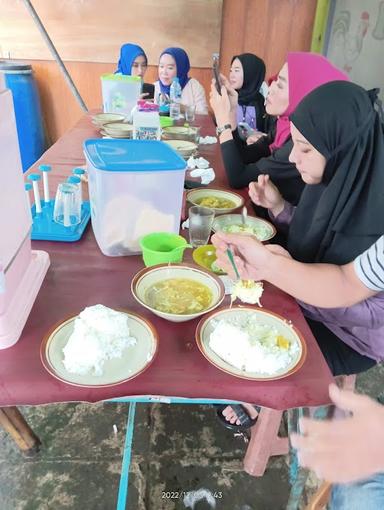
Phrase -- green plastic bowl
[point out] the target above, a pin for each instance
(165, 121)
(162, 248)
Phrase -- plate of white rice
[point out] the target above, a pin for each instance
(250, 343)
(99, 347)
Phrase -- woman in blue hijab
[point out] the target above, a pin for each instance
(133, 61)
(175, 62)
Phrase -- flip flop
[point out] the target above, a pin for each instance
(246, 422)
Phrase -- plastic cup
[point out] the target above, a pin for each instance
(67, 210)
(200, 225)
(190, 113)
(162, 248)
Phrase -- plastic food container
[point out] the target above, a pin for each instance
(135, 188)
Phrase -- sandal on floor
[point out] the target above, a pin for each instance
(246, 422)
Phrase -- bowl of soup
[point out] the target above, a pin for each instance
(220, 201)
(177, 292)
(262, 229)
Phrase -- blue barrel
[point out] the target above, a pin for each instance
(19, 79)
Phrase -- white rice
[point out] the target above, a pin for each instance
(251, 346)
(99, 334)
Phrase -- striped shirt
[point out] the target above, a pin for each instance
(369, 266)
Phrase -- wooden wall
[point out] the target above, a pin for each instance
(268, 28)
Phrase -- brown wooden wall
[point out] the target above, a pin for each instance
(268, 28)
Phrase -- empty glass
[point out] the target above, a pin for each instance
(67, 210)
(190, 113)
(200, 225)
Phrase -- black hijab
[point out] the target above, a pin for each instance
(254, 75)
(342, 216)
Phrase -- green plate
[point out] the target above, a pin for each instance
(204, 256)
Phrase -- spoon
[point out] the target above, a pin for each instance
(244, 214)
(232, 261)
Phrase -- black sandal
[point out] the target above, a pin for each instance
(246, 422)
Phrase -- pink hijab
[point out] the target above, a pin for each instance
(306, 72)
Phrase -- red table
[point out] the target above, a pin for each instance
(80, 275)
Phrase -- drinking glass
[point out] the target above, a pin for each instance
(200, 225)
(67, 210)
(190, 113)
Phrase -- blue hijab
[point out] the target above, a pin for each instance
(128, 53)
(182, 68)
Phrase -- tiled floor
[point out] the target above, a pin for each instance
(177, 449)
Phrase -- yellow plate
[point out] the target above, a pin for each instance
(205, 256)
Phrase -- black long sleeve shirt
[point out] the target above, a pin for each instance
(244, 163)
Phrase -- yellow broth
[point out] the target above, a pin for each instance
(181, 296)
(214, 202)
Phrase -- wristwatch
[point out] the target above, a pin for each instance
(220, 130)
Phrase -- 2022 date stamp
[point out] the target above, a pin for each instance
(183, 494)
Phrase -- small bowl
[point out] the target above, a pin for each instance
(221, 223)
(182, 147)
(190, 134)
(118, 128)
(194, 197)
(205, 256)
(148, 276)
(162, 248)
(103, 118)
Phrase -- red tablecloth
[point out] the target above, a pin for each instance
(80, 275)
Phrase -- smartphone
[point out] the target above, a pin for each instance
(216, 72)
(193, 184)
(245, 130)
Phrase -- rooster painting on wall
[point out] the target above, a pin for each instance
(348, 43)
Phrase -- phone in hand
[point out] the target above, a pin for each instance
(193, 184)
(245, 130)
(216, 72)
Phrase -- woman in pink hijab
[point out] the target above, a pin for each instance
(302, 73)
(243, 163)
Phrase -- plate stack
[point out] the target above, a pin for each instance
(182, 147)
(117, 130)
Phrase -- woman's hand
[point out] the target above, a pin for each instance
(250, 255)
(344, 451)
(255, 137)
(220, 105)
(232, 93)
(264, 193)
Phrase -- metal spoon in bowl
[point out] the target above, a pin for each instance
(244, 214)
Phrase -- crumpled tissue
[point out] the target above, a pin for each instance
(205, 140)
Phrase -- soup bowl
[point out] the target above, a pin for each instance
(145, 279)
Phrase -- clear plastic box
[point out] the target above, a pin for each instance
(135, 188)
(120, 93)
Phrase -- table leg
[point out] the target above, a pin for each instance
(264, 442)
(14, 423)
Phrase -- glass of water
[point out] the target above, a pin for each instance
(200, 225)
(190, 113)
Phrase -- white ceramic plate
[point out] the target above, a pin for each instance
(182, 146)
(109, 135)
(134, 361)
(206, 327)
(225, 220)
(194, 196)
(180, 133)
(103, 118)
(150, 275)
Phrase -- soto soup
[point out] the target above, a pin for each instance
(180, 296)
(214, 202)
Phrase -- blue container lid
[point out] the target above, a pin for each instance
(132, 155)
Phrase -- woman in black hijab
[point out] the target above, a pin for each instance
(339, 151)
(247, 75)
